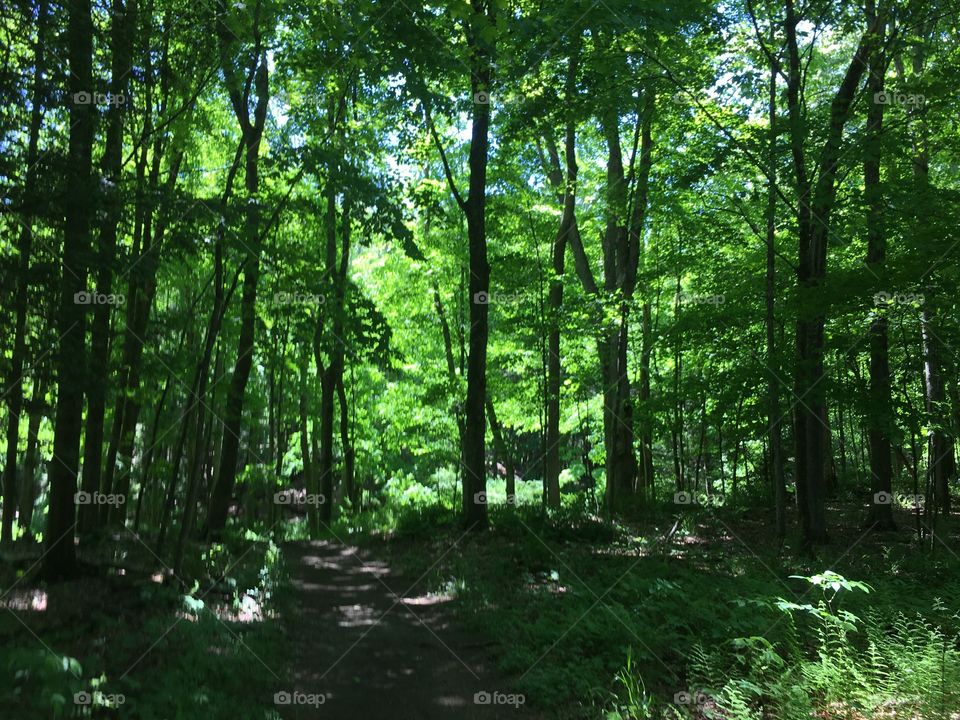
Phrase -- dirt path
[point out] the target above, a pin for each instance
(374, 647)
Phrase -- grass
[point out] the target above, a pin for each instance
(595, 620)
(129, 641)
(684, 612)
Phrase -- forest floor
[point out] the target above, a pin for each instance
(373, 644)
(591, 620)
(548, 614)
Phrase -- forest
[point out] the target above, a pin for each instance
(479, 359)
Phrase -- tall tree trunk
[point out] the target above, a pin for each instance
(28, 483)
(503, 450)
(448, 353)
(645, 480)
(474, 446)
(60, 558)
(774, 416)
(347, 478)
(150, 454)
(618, 422)
(940, 451)
(148, 241)
(815, 201)
(880, 417)
(939, 446)
(124, 20)
(626, 214)
(309, 480)
(282, 438)
(676, 433)
(14, 388)
(567, 187)
(252, 134)
(331, 375)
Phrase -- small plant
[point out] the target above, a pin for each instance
(829, 662)
(630, 700)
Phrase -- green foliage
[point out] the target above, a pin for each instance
(845, 666)
(43, 683)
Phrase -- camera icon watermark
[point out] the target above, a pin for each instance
(298, 497)
(98, 498)
(485, 697)
(85, 297)
(888, 97)
(912, 501)
(685, 497)
(485, 298)
(95, 98)
(87, 699)
(299, 698)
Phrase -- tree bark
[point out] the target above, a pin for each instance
(567, 187)
(252, 130)
(309, 480)
(124, 19)
(880, 418)
(60, 558)
(774, 416)
(815, 201)
(503, 450)
(24, 249)
(28, 483)
(332, 376)
(347, 478)
(474, 446)
(940, 447)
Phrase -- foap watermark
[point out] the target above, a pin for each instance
(485, 297)
(299, 698)
(288, 298)
(95, 98)
(485, 697)
(691, 97)
(682, 497)
(84, 297)
(888, 97)
(884, 298)
(691, 697)
(98, 498)
(480, 498)
(298, 497)
(906, 500)
(87, 699)
(686, 298)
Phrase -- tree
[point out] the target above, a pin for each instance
(881, 415)
(251, 128)
(59, 560)
(24, 249)
(815, 202)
